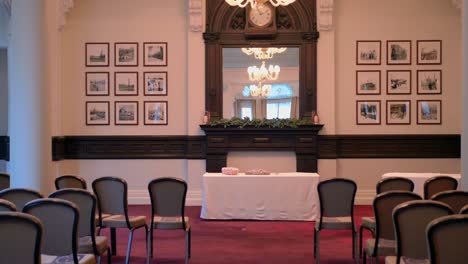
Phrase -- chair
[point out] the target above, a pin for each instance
(4, 181)
(60, 221)
(410, 221)
(167, 209)
(455, 199)
(464, 210)
(439, 184)
(384, 185)
(447, 238)
(383, 243)
(20, 238)
(86, 203)
(336, 211)
(7, 206)
(111, 194)
(19, 196)
(70, 181)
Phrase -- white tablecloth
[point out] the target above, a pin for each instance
(419, 178)
(278, 196)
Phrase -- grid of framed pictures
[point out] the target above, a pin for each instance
(126, 79)
(398, 83)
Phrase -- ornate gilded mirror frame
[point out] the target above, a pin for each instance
(295, 26)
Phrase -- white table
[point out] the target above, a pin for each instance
(419, 178)
(278, 196)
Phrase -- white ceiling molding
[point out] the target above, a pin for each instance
(458, 3)
(7, 6)
(65, 7)
(325, 15)
(196, 15)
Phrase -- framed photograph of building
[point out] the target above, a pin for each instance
(155, 83)
(126, 54)
(399, 82)
(97, 83)
(398, 112)
(429, 52)
(429, 81)
(368, 52)
(368, 112)
(155, 54)
(125, 83)
(367, 82)
(97, 113)
(126, 113)
(399, 52)
(429, 112)
(155, 112)
(97, 54)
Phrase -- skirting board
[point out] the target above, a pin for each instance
(141, 196)
(194, 198)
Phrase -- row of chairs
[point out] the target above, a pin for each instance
(167, 200)
(336, 212)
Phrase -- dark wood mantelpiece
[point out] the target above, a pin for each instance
(302, 140)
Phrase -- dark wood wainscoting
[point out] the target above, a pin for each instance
(389, 146)
(128, 147)
(4, 148)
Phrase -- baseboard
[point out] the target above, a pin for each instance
(141, 196)
(364, 197)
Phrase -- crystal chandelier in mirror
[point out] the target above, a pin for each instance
(263, 53)
(263, 74)
(260, 91)
(254, 3)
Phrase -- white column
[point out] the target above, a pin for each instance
(464, 146)
(29, 78)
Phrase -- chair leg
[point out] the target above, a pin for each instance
(317, 245)
(360, 241)
(148, 245)
(109, 256)
(129, 246)
(113, 241)
(364, 257)
(354, 243)
(98, 259)
(189, 243)
(151, 241)
(187, 246)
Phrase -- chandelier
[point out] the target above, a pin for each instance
(263, 53)
(261, 90)
(263, 74)
(254, 3)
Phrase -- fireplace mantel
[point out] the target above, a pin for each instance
(302, 140)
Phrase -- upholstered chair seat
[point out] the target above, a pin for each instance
(85, 244)
(119, 221)
(368, 222)
(406, 260)
(387, 247)
(82, 258)
(170, 222)
(335, 223)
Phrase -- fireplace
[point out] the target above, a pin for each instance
(302, 140)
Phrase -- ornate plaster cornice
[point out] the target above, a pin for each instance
(458, 3)
(196, 15)
(65, 7)
(325, 15)
(7, 6)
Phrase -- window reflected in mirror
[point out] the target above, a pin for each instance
(261, 82)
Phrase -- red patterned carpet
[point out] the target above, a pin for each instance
(245, 242)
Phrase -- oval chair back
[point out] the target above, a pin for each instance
(111, 194)
(394, 184)
(4, 181)
(447, 238)
(439, 184)
(70, 181)
(7, 206)
(333, 205)
(20, 238)
(455, 199)
(19, 196)
(410, 220)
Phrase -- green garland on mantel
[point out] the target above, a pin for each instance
(266, 123)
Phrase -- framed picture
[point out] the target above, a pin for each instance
(429, 52)
(429, 81)
(155, 54)
(155, 112)
(368, 52)
(97, 83)
(399, 82)
(125, 83)
(398, 112)
(399, 52)
(368, 112)
(429, 112)
(126, 113)
(97, 54)
(126, 54)
(155, 83)
(97, 113)
(367, 82)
